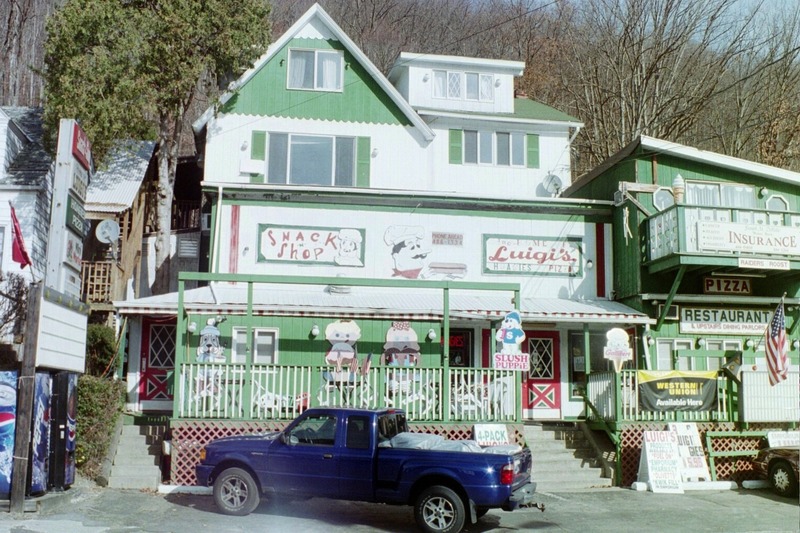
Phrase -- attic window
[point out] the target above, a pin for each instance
(455, 85)
(316, 70)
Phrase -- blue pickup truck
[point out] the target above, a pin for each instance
(367, 455)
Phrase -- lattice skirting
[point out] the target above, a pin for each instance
(728, 468)
(189, 437)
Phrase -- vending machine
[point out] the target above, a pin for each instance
(8, 426)
(40, 436)
(62, 429)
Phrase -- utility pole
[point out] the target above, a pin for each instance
(22, 436)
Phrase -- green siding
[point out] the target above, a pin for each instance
(533, 150)
(363, 154)
(455, 147)
(361, 100)
(297, 347)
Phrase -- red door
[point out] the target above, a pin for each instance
(156, 362)
(541, 385)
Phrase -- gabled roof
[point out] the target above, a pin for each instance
(32, 164)
(114, 187)
(319, 15)
(660, 146)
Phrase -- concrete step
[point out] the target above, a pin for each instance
(137, 459)
(148, 481)
(563, 458)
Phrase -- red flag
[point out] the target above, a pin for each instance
(777, 347)
(18, 251)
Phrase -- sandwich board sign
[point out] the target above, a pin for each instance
(659, 464)
(690, 450)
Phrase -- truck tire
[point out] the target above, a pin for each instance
(781, 476)
(439, 510)
(236, 492)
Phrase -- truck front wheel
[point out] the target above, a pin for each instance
(236, 492)
(439, 510)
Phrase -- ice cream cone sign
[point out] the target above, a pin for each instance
(617, 348)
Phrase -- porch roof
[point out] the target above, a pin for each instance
(367, 302)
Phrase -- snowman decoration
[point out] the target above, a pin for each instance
(511, 333)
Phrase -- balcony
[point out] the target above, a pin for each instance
(722, 237)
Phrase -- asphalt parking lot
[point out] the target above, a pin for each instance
(87, 508)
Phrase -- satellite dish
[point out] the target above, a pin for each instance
(552, 184)
(107, 231)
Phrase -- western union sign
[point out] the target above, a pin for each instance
(724, 321)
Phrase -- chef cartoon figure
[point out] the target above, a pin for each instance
(408, 250)
(348, 248)
(510, 333)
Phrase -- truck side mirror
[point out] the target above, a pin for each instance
(289, 439)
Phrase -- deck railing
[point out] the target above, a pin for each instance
(618, 401)
(230, 391)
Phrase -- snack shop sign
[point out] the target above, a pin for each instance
(724, 321)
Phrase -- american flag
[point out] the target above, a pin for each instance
(777, 347)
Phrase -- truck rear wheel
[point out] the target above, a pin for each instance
(439, 510)
(236, 492)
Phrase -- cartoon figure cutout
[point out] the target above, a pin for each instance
(402, 346)
(511, 333)
(342, 335)
(349, 248)
(209, 350)
(408, 251)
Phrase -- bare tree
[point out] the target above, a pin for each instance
(632, 67)
(13, 305)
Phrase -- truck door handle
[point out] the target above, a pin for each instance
(327, 456)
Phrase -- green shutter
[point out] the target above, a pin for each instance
(533, 150)
(258, 146)
(363, 154)
(456, 155)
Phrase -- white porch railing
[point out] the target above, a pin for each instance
(606, 397)
(282, 392)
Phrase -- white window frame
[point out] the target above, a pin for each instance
(258, 359)
(718, 194)
(667, 353)
(484, 81)
(317, 83)
(287, 178)
(492, 136)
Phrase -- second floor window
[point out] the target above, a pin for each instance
(316, 70)
(488, 148)
(311, 160)
(711, 194)
(463, 86)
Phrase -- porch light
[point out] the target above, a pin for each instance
(431, 334)
(314, 330)
(796, 344)
(763, 191)
(701, 342)
(749, 343)
(192, 327)
(589, 264)
(426, 77)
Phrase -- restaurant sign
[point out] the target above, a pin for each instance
(724, 321)
(542, 256)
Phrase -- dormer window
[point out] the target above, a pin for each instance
(316, 70)
(455, 85)
(718, 194)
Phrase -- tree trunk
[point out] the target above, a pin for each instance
(168, 149)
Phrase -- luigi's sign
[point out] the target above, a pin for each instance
(677, 390)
